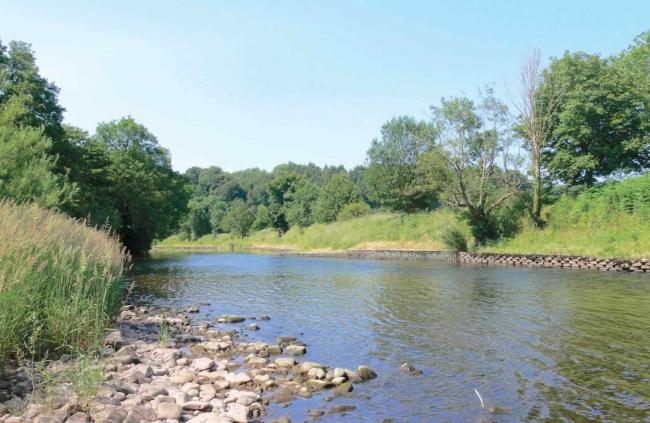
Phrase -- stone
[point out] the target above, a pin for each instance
(203, 363)
(182, 377)
(197, 406)
(265, 317)
(126, 355)
(238, 413)
(282, 395)
(253, 327)
(220, 385)
(306, 366)
(3, 410)
(315, 412)
(210, 418)
(284, 362)
(338, 372)
(141, 414)
(293, 349)
(341, 408)
(318, 385)
(408, 369)
(231, 319)
(316, 373)
(168, 411)
(149, 392)
(114, 339)
(238, 378)
(281, 340)
(343, 388)
(51, 418)
(365, 373)
(192, 309)
(112, 415)
(78, 418)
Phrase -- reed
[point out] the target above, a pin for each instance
(60, 282)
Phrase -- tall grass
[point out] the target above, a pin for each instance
(420, 231)
(60, 281)
(612, 220)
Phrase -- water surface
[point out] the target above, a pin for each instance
(546, 344)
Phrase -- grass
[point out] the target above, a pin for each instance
(60, 282)
(610, 221)
(420, 231)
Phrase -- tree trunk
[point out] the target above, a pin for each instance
(537, 194)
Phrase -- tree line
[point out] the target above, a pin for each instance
(574, 123)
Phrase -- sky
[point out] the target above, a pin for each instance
(241, 84)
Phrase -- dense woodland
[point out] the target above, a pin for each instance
(582, 120)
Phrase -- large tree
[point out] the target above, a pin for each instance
(603, 124)
(392, 176)
(336, 194)
(471, 163)
(149, 196)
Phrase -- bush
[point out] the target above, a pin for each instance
(353, 210)
(454, 239)
(60, 282)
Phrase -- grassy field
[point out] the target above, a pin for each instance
(60, 281)
(421, 231)
(611, 221)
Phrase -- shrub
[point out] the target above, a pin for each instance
(60, 282)
(353, 210)
(454, 239)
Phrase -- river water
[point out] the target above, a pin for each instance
(540, 344)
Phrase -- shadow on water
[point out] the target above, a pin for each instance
(539, 343)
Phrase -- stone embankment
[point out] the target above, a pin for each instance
(161, 366)
(556, 261)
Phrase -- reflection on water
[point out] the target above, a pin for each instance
(547, 344)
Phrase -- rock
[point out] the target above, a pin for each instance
(210, 418)
(295, 349)
(78, 418)
(168, 411)
(338, 380)
(238, 413)
(316, 373)
(237, 378)
(284, 362)
(341, 408)
(338, 372)
(253, 326)
(318, 385)
(282, 395)
(141, 414)
(283, 419)
(182, 377)
(315, 412)
(197, 406)
(126, 355)
(281, 340)
(407, 368)
(306, 366)
(192, 309)
(257, 362)
(113, 415)
(203, 363)
(365, 373)
(51, 418)
(220, 385)
(343, 388)
(230, 319)
(265, 317)
(3, 410)
(149, 392)
(114, 339)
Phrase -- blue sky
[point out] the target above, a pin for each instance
(242, 84)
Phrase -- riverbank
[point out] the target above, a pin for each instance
(166, 365)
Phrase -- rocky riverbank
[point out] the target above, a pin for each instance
(160, 365)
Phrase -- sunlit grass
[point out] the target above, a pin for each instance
(60, 282)
(420, 231)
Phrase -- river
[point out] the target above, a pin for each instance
(537, 343)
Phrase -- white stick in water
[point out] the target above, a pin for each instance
(479, 397)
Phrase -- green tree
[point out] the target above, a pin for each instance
(603, 124)
(392, 176)
(280, 190)
(262, 218)
(238, 219)
(472, 141)
(300, 205)
(336, 194)
(148, 195)
(353, 210)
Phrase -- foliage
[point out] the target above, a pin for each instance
(353, 210)
(300, 204)
(262, 219)
(238, 219)
(339, 192)
(392, 176)
(603, 124)
(610, 220)
(70, 274)
(149, 196)
(454, 239)
(464, 165)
